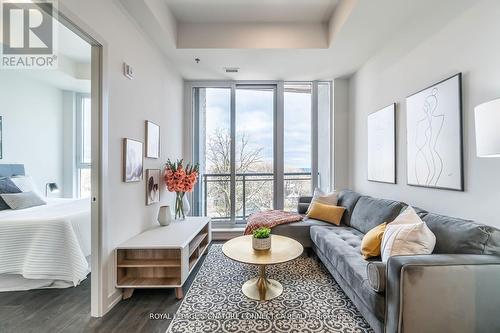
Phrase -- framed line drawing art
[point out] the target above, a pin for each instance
(434, 136)
(382, 145)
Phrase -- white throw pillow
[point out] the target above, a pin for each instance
(407, 235)
(324, 198)
(25, 184)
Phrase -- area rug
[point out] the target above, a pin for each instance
(311, 300)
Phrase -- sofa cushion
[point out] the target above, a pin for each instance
(299, 230)
(370, 212)
(407, 235)
(459, 236)
(341, 246)
(348, 200)
(327, 213)
(372, 241)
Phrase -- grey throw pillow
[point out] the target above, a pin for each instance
(22, 200)
(7, 186)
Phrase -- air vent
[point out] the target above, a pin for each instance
(231, 69)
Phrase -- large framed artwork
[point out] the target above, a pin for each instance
(132, 160)
(152, 186)
(434, 136)
(152, 140)
(382, 145)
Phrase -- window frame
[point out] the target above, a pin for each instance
(192, 137)
(79, 141)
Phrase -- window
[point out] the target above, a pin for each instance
(297, 142)
(254, 155)
(257, 145)
(83, 145)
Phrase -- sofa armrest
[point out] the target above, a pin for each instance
(303, 204)
(443, 293)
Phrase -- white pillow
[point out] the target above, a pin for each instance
(324, 198)
(25, 184)
(407, 235)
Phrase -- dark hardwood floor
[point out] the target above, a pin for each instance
(68, 310)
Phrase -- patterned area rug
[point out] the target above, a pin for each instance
(311, 300)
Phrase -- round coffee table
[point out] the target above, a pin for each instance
(283, 249)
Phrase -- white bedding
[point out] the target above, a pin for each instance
(49, 242)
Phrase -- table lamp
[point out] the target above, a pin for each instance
(51, 188)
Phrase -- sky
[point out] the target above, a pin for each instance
(254, 118)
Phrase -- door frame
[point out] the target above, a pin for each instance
(102, 299)
(191, 134)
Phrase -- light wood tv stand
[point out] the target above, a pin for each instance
(162, 257)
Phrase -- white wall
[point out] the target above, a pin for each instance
(154, 94)
(32, 114)
(468, 44)
(340, 150)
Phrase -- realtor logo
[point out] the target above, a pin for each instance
(28, 34)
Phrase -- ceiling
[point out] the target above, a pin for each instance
(72, 46)
(73, 68)
(284, 39)
(261, 11)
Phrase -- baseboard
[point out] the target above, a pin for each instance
(226, 233)
(113, 299)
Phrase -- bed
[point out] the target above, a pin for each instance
(45, 246)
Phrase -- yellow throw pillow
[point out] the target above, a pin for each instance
(370, 245)
(327, 213)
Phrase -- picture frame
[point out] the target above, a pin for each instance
(434, 132)
(381, 136)
(152, 140)
(133, 162)
(152, 186)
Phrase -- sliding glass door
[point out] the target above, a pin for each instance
(214, 154)
(257, 145)
(254, 152)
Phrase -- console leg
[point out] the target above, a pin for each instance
(127, 293)
(179, 293)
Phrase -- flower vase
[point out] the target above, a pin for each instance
(182, 206)
(186, 207)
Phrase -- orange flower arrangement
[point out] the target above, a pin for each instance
(180, 180)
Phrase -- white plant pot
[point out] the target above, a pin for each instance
(261, 244)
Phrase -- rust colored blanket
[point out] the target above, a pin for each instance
(270, 218)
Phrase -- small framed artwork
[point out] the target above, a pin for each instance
(434, 136)
(132, 160)
(152, 140)
(152, 186)
(382, 145)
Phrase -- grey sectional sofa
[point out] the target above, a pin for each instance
(455, 289)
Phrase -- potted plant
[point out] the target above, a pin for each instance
(261, 239)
